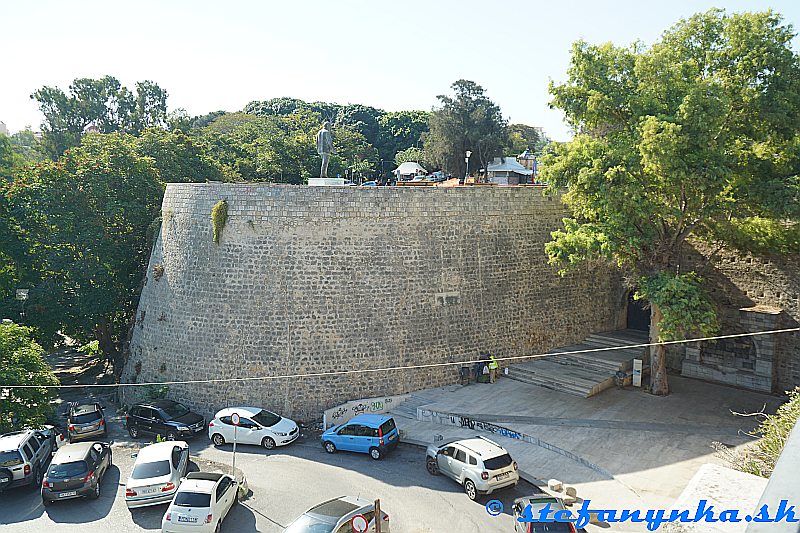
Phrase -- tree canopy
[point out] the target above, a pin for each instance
(103, 103)
(467, 121)
(695, 137)
(22, 363)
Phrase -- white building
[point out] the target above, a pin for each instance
(408, 171)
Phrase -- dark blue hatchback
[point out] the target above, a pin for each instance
(372, 434)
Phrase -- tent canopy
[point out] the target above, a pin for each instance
(507, 164)
(409, 167)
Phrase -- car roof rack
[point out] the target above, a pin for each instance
(487, 440)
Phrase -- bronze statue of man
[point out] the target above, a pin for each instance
(324, 147)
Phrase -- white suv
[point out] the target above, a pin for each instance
(479, 465)
(24, 456)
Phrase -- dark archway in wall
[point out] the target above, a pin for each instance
(638, 314)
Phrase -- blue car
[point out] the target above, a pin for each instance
(372, 434)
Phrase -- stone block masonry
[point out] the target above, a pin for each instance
(316, 279)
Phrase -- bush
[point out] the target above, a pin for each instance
(22, 363)
(760, 458)
(219, 216)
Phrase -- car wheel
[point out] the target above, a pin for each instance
(133, 431)
(432, 466)
(6, 475)
(38, 477)
(469, 488)
(268, 443)
(329, 447)
(171, 435)
(375, 453)
(217, 439)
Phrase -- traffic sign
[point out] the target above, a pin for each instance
(235, 420)
(359, 523)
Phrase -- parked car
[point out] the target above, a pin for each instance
(169, 419)
(334, 516)
(479, 465)
(86, 421)
(538, 502)
(257, 426)
(201, 503)
(76, 472)
(370, 184)
(24, 456)
(157, 474)
(372, 434)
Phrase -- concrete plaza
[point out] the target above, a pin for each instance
(623, 448)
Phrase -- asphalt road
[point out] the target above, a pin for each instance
(283, 483)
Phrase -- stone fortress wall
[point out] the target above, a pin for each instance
(318, 279)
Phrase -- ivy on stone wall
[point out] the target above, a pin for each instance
(219, 215)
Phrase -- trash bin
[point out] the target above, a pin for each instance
(464, 374)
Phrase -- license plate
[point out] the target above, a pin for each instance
(68, 493)
(391, 437)
(147, 491)
(182, 518)
(503, 476)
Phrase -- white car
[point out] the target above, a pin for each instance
(256, 426)
(157, 474)
(336, 516)
(201, 503)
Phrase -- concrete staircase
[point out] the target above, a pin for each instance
(583, 374)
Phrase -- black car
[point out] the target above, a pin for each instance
(76, 471)
(169, 419)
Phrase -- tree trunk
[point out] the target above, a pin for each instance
(658, 355)
(110, 348)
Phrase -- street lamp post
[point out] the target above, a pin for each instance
(466, 160)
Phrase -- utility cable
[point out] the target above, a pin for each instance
(395, 368)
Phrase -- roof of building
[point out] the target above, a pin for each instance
(409, 167)
(507, 164)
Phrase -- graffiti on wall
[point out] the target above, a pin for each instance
(343, 413)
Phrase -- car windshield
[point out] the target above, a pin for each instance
(85, 418)
(67, 470)
(10, 458)
(550, 527)
(496, 463)
(174, 411)
(267, 419)
(148, 470)
(310, 524)
(192, 499)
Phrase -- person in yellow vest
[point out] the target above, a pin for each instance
(493, 368)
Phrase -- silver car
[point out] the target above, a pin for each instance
(86, 421)
(335, 516)
(157, 473)
(479, 465)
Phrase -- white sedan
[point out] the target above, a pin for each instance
(256, 426)
(157, 473)
(201, 503)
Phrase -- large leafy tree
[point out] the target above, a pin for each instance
(78, 238)
(22, 363)
(695, 137)
(103, 103)
(467, 121)
(400, 131)
(522, 137)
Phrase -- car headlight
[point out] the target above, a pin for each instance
(183, 428)
(278, 433)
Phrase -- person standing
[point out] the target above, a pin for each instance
(493, 368)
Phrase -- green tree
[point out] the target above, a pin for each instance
(413, 154)
(9, 160)
(78, 238)
(27, 146)
(179, 157)
(22, 363)
(469, 121)
(522, 137)
(400, 131)
(689, 139)
(104, 103)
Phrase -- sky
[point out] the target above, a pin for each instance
(212, 55)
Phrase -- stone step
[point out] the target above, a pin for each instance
(533, 379)
(567, 376)
(587, 360)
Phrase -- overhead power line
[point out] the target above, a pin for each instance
(394, 368)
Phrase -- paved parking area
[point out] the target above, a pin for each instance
(284, 483)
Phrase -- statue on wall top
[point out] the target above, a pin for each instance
(324, 147)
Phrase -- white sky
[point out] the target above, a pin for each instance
(399, 55)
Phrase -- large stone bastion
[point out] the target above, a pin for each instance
(307, 280)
